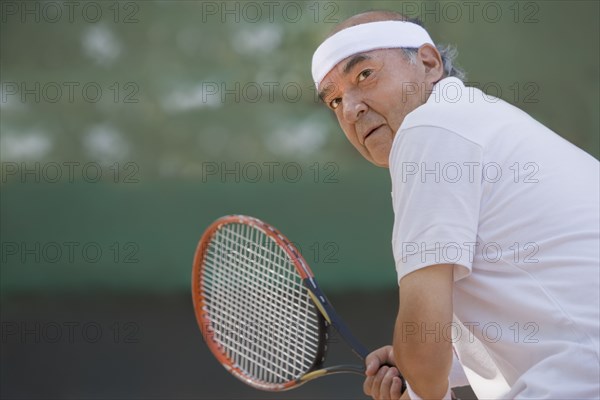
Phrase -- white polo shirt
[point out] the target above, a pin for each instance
(480, 184)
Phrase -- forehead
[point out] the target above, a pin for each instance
(344, 67)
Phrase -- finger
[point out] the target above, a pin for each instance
(372, 367)
(367, 385)
(395, 390)
(373, 362)
(375, 387)
(376, 359)
(391, 358)
(386, 384)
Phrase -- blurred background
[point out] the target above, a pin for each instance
(128, 126)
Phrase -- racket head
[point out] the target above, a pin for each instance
(255, 314)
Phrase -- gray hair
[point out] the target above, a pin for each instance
(448, 53)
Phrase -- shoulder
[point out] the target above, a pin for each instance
(466, 111)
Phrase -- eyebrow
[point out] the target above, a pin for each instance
(357, 59)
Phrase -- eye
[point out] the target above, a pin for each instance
(335, 102)
(364, 74)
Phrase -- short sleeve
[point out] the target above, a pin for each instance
(436, 195)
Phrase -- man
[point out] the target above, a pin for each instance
(496, 230)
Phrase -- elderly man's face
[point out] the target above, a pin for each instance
(371, 93)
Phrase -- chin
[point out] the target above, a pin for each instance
(380, 158)
(379, 163)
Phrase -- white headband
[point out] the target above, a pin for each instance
(365, 37)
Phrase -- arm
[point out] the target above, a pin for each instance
(422, 352)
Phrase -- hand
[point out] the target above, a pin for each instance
(383, 380)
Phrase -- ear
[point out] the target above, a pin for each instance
(431, 60)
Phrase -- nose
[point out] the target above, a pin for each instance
(354, 107)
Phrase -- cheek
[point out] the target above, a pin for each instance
(348, 130)
(394, 109)
(351, 136)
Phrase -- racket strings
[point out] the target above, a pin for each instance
(292, 324)
(288, 276)
(262, 316)
(233, 313)
(313, 322)
(278, 350)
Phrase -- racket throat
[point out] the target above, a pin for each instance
(338, 369)
(333, 319)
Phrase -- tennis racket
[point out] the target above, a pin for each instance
(259, 308)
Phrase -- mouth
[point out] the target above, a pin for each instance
(370, 132)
